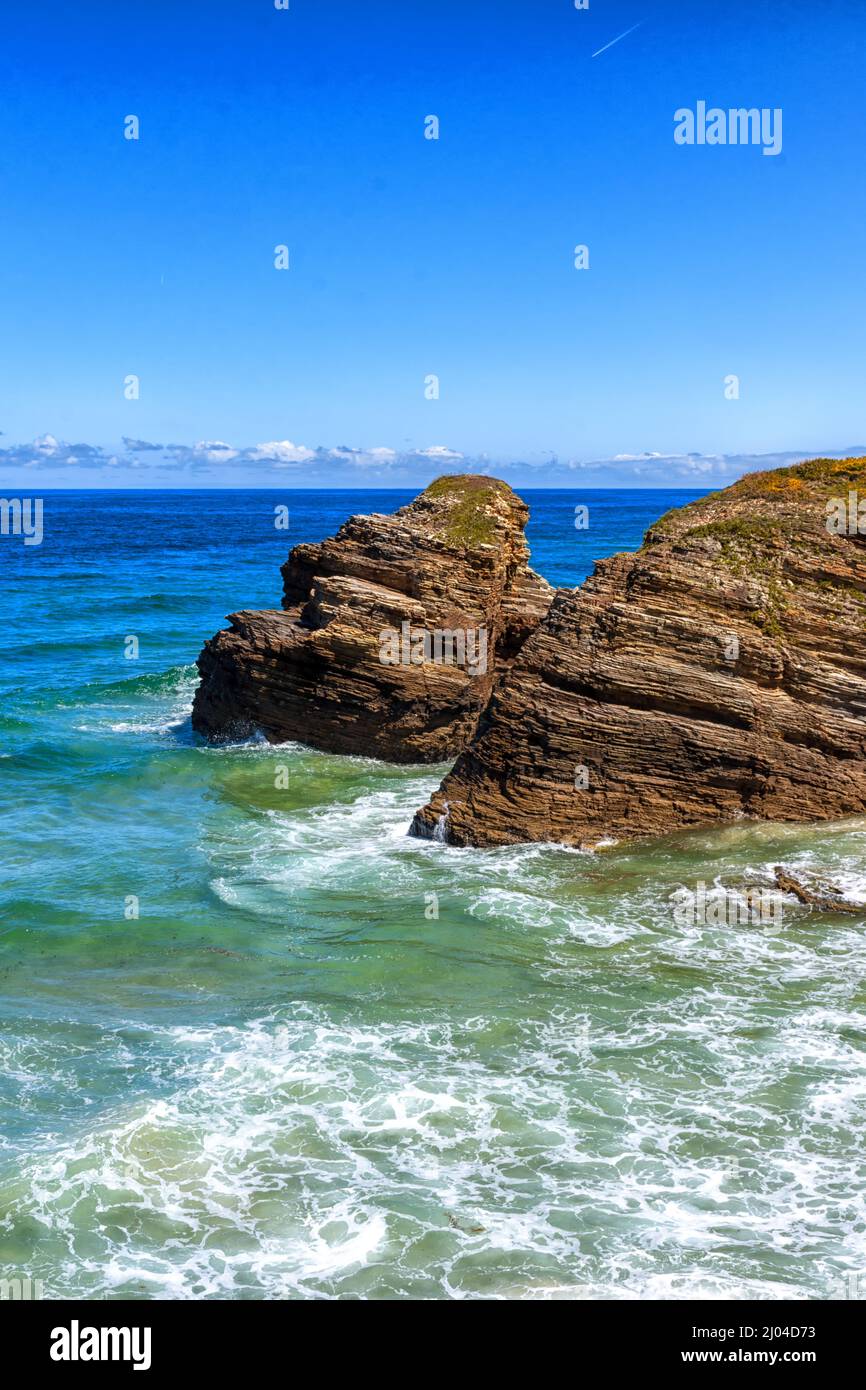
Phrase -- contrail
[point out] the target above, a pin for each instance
(617, 39)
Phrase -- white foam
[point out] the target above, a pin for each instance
(552, 1091)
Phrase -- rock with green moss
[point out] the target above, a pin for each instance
(718, 672)
(391, 634)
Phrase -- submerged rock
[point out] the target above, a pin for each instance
(827, 897)
(391, 634)
(717, 673)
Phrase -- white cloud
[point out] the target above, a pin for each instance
(351, 465)
(281, 452)
(439, 451)
(47, 450)
(215, 451)
(48, 446)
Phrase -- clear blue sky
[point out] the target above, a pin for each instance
(410, 256)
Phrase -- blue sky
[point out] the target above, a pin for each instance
(411, 257)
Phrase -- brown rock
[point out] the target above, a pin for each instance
(827, 898)
(455, 561)
(719, 672)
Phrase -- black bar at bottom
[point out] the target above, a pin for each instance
(162, 1338)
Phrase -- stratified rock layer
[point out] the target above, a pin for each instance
(454, 560)
(718, 673)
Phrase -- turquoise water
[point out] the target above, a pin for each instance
(326, 1060)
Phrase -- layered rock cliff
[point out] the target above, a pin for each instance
(392, 632)
(717, 673)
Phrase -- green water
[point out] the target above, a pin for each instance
(289, 1077)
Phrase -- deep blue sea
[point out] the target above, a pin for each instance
(238, 1058)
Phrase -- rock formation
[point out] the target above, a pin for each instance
(717, 673)
(826, 897)
(391, 634)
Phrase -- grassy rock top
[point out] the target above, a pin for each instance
(771, 529)
(469, 510)
(820, 476)
(763, 508)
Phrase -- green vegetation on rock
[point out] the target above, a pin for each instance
(747, 529)
(826, 473)
(468, 521)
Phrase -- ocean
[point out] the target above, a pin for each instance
(242, 1057)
